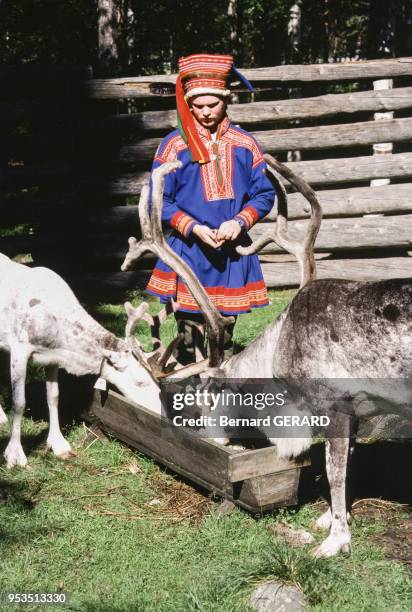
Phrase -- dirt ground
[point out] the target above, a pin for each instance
(396, 539)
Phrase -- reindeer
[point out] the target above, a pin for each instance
(331, 329)
(41, 319)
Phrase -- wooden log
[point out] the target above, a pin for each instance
(355, 201)
(36, 81)
(39, 147)
(107, 286)
(95, 246)
(317, 173)
(335, 136)
(352, 169)
(33, 110)
(115, 285)
(163, 85)
(251, 113)
(45, 146)
(274, 141)
(286, 274)
(352, 202)
(33, 174)
(68, 209)
(370, 232)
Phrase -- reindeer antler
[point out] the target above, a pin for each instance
(156, 361)
(154, 241)
(302, 250)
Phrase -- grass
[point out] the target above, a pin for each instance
(118, 533)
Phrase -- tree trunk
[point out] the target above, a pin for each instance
(107, 24)
(294, 33)
(233, 24)
(381, 31)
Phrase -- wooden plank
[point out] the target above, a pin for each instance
(260, 462)
(177, 448)
(335, 136)
(264, 493)
(40, 81)
(272, 111)
(53, 145)
(352, 169)
(107, 286)
(317, 173)
(350, 202)
(355, 201)
(319, 137)
(286, 274)
(114, 285)
(39, 147)
(32, 110)
(335, 235)
(33, 174)
(200, 460)
(376, 232)
(163, 85)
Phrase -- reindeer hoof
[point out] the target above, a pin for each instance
(324, 521)
(332, 546)
(67, 455)
(14, 455)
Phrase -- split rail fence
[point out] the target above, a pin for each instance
(75, 152)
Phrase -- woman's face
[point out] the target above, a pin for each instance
(208, 110)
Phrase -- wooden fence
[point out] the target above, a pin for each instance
(75, 152)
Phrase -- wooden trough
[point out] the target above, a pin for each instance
(256, 480)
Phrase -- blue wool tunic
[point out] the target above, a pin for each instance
(233, 185)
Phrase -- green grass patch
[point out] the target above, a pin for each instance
(111, 529)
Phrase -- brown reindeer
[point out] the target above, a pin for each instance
(332, 329)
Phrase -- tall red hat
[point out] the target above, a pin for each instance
(205, 74)
(201, 74)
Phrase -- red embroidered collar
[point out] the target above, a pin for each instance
(221, 129)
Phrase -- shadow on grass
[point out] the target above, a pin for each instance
(377, 470)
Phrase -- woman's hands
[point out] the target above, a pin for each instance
(229, 230)
(207, 235)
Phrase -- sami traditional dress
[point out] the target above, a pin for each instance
(232, 185)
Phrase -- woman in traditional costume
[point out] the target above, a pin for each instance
(212, 201)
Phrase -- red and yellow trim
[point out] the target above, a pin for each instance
(182, 223)
(249, 216)
(231, 300)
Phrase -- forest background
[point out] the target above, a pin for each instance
(145, 37)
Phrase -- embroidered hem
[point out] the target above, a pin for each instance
(226, 299)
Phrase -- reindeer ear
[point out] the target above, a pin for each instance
(132, 241)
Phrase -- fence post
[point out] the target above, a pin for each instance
(382, 148)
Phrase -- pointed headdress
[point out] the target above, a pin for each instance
(201, 75)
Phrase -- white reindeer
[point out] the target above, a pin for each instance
(331, 329)
(41, 319)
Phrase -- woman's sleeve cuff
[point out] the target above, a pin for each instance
(183, 223)
(248, 217)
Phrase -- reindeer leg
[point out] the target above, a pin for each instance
(337, 449)
(55, 439)
(14, 453)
